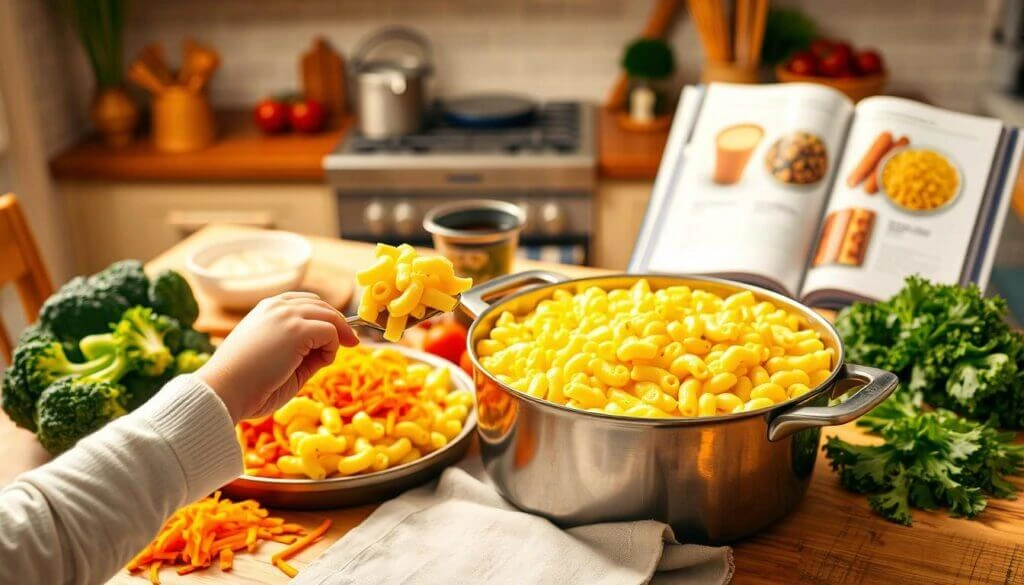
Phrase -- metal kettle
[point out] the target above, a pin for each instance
(391, 91)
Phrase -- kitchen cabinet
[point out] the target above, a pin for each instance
(108, 221)
(619, 209)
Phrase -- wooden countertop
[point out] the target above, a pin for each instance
(241, 153)
(833, 537)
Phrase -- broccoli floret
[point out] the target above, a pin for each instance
(196, 341)
(189, 361)
(149, 339)
(94, 346)
(125, 278)
(36, 332)
(79, 309)
(170, 294)
(138, 389)
(38, 364)
(69, 410)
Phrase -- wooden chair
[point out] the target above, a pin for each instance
(20, 265)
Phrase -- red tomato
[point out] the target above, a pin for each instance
(843, 48)
(306, 116)
(465, 363)
(821, 47)
(271, 116)
(447, 340)
(869, 62)
(835, 64)
(803, 63)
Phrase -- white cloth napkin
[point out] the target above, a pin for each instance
(459, 531)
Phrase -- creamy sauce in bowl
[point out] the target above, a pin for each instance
(248, 263)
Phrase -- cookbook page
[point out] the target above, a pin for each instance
(906, 200)
(747, 203)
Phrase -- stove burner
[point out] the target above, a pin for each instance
(555, 129)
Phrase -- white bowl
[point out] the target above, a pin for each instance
(244, 291)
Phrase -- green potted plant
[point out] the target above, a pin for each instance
(649, 63)
(99, 26)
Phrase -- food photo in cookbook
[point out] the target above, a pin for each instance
(799, 158)
(734, 146)
(844, 237)
(920, 180)
(865, 173)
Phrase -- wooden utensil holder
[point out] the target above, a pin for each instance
(182, 120)
(729, 73)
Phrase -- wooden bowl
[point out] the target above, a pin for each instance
(856, 88)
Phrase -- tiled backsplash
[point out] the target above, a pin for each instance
(548, 48)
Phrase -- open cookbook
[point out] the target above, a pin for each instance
(794, 188)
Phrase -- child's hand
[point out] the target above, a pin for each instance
(273, 351)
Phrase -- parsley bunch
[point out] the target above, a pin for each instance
(949, 345)
(929, 460)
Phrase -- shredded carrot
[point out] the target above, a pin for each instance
(211, 531)
(286, 568)
(304, 542)
(227, 557)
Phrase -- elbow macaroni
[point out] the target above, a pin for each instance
(368, 411)
(401, 284)
(673, 352)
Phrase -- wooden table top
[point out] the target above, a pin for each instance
(833, 537)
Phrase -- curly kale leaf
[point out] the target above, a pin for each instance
(949, 345)
(929, 460)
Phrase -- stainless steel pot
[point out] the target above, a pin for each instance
(391, 91)
(714, 480)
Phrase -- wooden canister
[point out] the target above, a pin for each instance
(182, 120)
(729, 73)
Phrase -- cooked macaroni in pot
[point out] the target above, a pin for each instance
(675, 352)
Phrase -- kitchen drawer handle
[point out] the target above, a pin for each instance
(878, 385)
(473, 300)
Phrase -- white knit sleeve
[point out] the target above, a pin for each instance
(81, 517)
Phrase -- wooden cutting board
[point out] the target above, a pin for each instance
(323, 77)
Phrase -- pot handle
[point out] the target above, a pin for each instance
(878, 385)
(472, 301)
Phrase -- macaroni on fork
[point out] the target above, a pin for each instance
(675, 352)
(402, 283)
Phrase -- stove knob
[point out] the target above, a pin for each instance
(375, 218)
(406, 218)
(528, 219)
(552, 218)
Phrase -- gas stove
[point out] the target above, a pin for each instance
(547, 165)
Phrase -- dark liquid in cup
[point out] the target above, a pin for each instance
(479, 228)
(478, 221)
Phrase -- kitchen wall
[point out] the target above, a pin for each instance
(44, 96)
(549, 48)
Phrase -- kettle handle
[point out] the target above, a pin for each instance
(396, 34)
